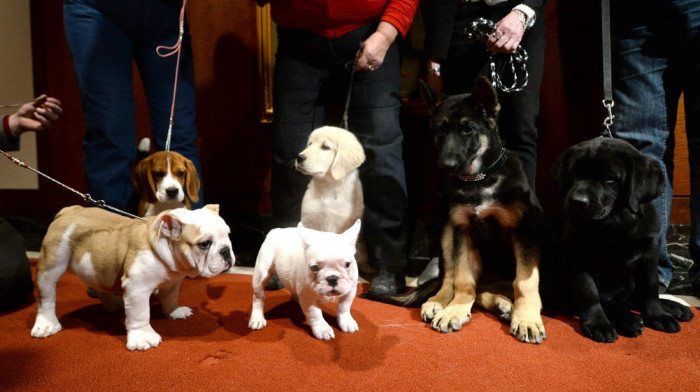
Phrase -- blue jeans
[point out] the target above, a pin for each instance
(105, 37)
(656, 57)
(310, 74)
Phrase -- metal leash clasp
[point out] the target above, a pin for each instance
(608, 121)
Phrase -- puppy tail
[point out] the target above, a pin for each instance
(144, 149)
(412, 299)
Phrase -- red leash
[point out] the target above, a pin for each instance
(175, 49)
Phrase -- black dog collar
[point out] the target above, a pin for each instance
(494, 166)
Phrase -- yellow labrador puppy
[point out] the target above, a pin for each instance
(333, 202)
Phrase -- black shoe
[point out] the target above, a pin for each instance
(274, 283)
(694, 275)
(387, 283)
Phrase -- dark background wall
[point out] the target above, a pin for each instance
(234, 144)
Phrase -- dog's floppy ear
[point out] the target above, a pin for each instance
(646, 180)
(431, 96)
(169, 226)
(485, 97)
(213, 208)
(558, 171)
(192, 181)
(350, 235)
(349, 155)
(143, 180)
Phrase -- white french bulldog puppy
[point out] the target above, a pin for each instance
(316, 267)
(116, 254)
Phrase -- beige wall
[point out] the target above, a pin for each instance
(16, 86)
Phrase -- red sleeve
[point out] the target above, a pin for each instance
(400, 14)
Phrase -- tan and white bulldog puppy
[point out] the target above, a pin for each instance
(316, 267)
(115, 254)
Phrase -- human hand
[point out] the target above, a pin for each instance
(37, 115)
(509, 33)
(375, 47)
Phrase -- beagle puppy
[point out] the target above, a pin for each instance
(161, 180)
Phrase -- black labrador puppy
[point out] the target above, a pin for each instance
(601, 250)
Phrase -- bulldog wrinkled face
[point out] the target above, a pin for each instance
(205, 242)
(334, 272)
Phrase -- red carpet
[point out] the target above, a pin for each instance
(394, 350)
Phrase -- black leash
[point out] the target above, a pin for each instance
(350, 66)
(482, 29)
(608, 101)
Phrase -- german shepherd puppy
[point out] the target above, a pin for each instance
(492, 225)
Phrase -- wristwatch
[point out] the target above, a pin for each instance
(522, 18)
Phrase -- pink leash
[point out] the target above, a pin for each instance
(175, 49)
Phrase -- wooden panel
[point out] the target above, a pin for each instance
(680, 209)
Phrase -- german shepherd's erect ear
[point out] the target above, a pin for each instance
(485, 98)
(431, 96)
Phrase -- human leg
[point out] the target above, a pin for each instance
(374, 119)
(102, 57)
(519, 109)
(297, 112)
(640, 59)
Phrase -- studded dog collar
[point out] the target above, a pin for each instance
(494, 166)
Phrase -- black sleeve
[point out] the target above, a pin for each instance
(439, 21)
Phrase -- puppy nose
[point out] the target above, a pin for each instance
(449, 164)
(301, 158)
(579, 202)
(172, 192)
(332, 280)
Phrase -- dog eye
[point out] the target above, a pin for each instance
(204, 245)
(466, 127)
(347, 264)
(315, 268)
(180, 173)
(158, 174)
(325, 147)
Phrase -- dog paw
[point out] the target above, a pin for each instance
(347, 323)
(679, 311)
(452, 318)
(428, 311)
(528, 331)
(44, 327)
(323, 331)
(663, 322)
(600, 332)
(257, 321)
(142, 339)
(628, 324)
(180, 313)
